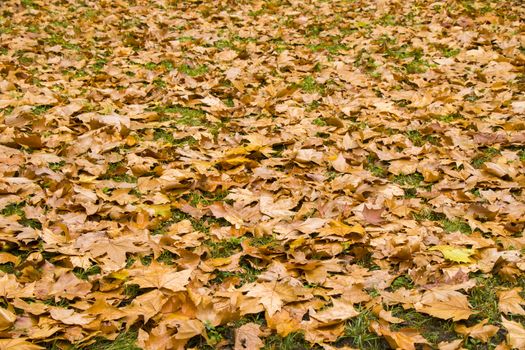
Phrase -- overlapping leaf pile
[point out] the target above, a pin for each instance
(278, 174)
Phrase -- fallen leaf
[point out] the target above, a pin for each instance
(7, 318)
(510, 302)
(247, 337)
(445, 305)
(480, 331)
(515, 335)
(373, 216)
(456, 254)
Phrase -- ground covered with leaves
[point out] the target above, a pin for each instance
(262, 174)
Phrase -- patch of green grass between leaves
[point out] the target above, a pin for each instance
(125, 341)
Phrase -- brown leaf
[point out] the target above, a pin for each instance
(18, 344)
(340, 311)
(403, 339)
(373, 216)
(515, 335)
(69, 316)
(161, 276)
(247, 337)
(480, 331)
(510, 302)
(7, 318)
(445, 305)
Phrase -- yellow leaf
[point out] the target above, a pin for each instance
(515, 333)
(87, 179)
(119, 275)
(444, 304)
(163, 210)
(456, 254)
(242, 150)
(339, 228)
(297, 243)
(240, 161)
(510, 302)
(7, 318)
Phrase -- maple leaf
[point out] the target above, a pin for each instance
(373, 216)
(18, 344)
(69, 316)
(402, 339)
(247, 337)
(510, 301)
(272, 295)
(146, 305)
(456, 254)
(444, 304)
(115, 249)
(480, 331)
(515, 335)
(340, 311)
(7, 318)
(161, 276)
(277, 208)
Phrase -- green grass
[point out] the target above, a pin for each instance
(416, 66)
(98, 65)
(450, 52)
(247, 274)
(118, 172)
(125, 341)
(332, 47)
(202, 225)
(193, 71)
(402, 281)
(16, 209)
(28, 3)
(150, 65)
(39, 110)
(165, 135)
(357, 333)
(319, 122)
(55, 166)
(167, 257)
(8, 268)
(262, 241)
(223, 44)
(310, 85)
(412, 180)
(85, 273)
(521, 155)
(428, 215)
(365, 61)
(373, 165)
(433, 329)
(419, 140)
(225, 248)
(486, 155)
(203, 199)
(449, 118)
(293, 341)
(188, 116)
(124, 178)
(456, 225)
(484, 300)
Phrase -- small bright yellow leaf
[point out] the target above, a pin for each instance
(119, 275)
(240, 161)
(297, 243)
(163, 210)
(456, 254)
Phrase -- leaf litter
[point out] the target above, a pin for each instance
(266, 174)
